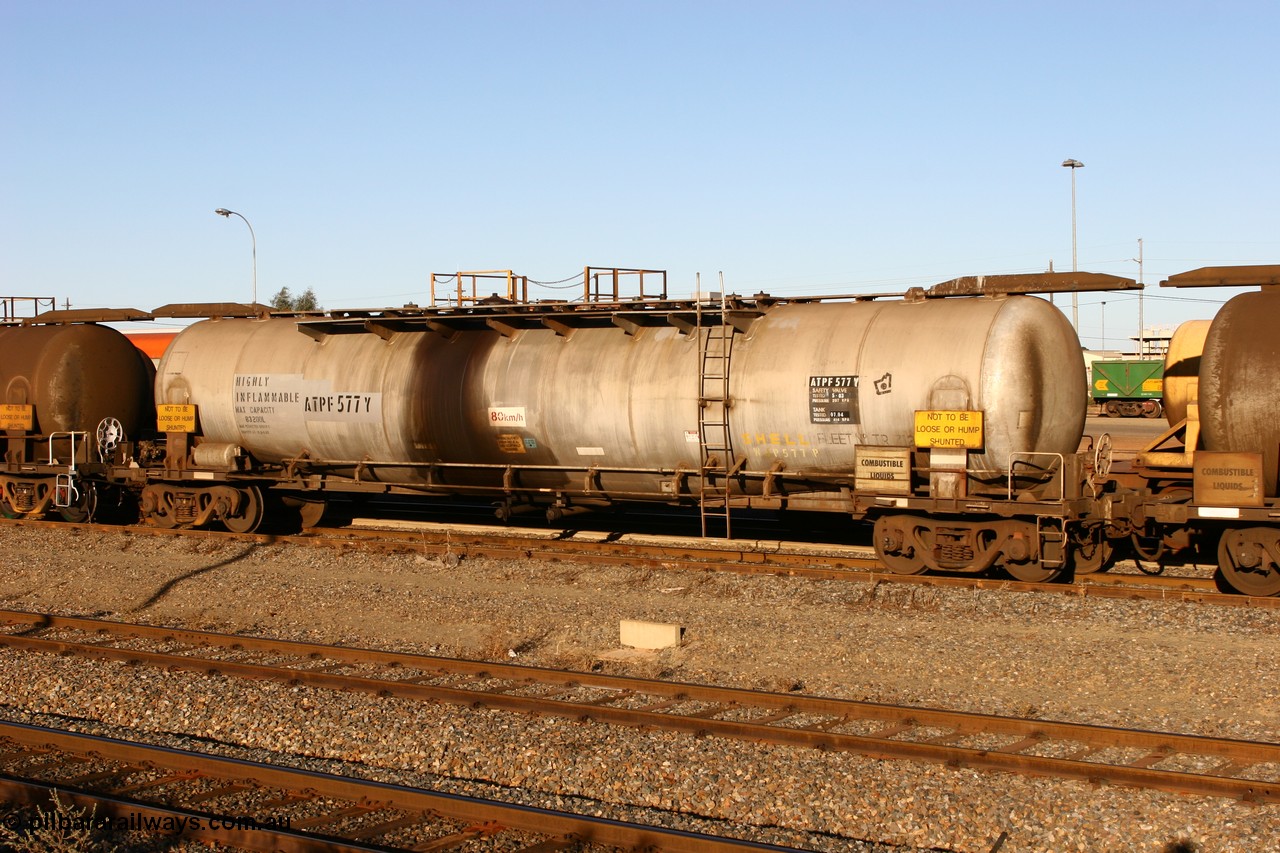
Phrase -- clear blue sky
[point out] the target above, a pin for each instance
(799, 147)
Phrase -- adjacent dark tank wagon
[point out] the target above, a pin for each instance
(72, 391)
(1212, 479)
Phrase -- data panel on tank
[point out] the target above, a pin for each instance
(266, 403)
(833, 399)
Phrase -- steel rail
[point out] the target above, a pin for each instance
(819, 561)
(746, 557)
(890, 732)
(359, 797)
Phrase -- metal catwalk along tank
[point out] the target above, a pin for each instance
(598, 397)
(1240, 381)
(74, 375)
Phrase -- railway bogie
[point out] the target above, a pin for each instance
(1249, 558)
(914, 544)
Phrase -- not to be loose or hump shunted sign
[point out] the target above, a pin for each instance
(935, 428)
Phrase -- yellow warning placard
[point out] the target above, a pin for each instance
(17, 416)
(171, 417)
(949, 429)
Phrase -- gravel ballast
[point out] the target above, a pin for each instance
(1168, 666)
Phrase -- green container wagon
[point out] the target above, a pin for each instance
(1129, 388)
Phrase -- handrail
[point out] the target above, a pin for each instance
(72, 435)
(1062, 486)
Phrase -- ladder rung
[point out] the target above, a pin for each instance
(714, 438)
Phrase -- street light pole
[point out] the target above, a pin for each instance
(1142, 335)
(1075, 298)
(222, 211)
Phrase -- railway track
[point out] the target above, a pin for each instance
(1200, 766)
(258, 806)
(819, 561)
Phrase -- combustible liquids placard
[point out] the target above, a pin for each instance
(171, 417)
(949, 429)
(1228, 479)
(883, 469)
(17, 416)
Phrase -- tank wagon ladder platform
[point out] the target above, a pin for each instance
(714, 439)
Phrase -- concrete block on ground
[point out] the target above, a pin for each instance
(650, 635)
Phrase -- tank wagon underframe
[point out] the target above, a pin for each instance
(1032, 539)
(772, 490)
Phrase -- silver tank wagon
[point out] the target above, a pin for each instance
(809, 383)
(796, 404)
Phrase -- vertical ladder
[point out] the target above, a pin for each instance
(715, 337)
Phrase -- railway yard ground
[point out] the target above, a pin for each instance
(1159, 665)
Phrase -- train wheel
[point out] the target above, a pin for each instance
(1250, 560)
(1155, 411)
(311, 512)
(1017, 557)
(156, 507)
(1030, 571)
(893, 549)
(1111, 409)
(250, 514)
(1147, 550)
(900, 565)
(163, 520)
